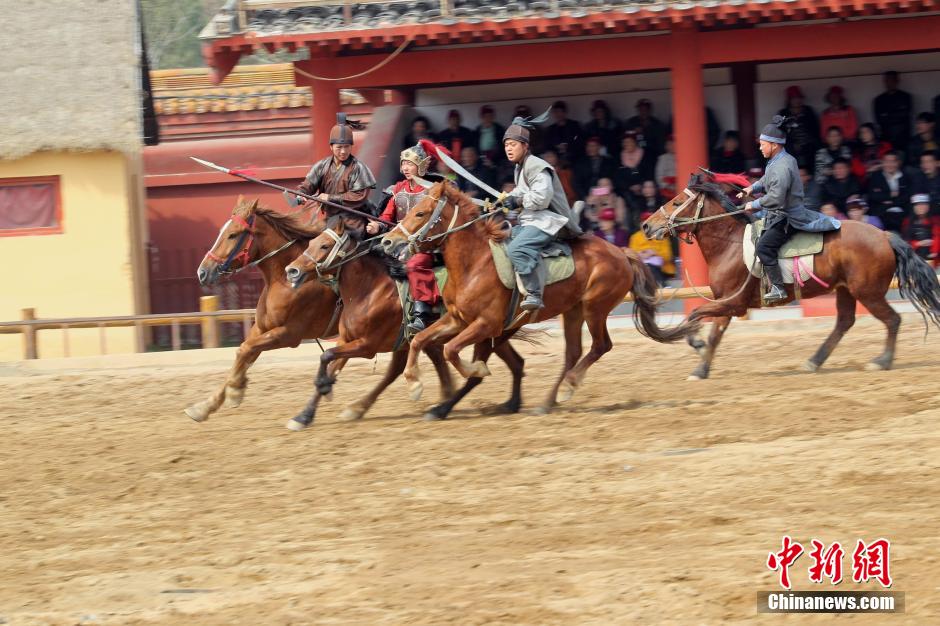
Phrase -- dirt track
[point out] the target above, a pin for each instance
(648, 498)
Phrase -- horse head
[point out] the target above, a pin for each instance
(680, 216)
(332, 245)
(233, 247)
(427, 218)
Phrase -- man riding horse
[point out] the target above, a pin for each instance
(782, 204)
(341, 178)
(420, 267)
(544, 213)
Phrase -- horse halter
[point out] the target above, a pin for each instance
(242, 247)
(674, 222)
(417, 238)
(338, 242)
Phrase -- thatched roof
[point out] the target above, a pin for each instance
(71, 77)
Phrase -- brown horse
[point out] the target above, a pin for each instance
(372, 316)
(285, 316)
(477, 302)
(857, 261)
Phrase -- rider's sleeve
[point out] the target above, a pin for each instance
(776, 184)
(311, 183)
(758, 186)
(539, 194)
(389, 213)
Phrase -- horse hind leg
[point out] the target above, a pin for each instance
(845, 319)
(358, 408)
(601, 344)
(304, 419)
(572, 321)
(879, 307)
(719, 326)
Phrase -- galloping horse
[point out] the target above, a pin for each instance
(858, 262)
(477, 302)
(372, 316)
(258, 236)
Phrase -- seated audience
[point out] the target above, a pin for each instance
(602, 196)
(592, 167)
(831, 210)
(604, 126)
(889, 193)
(608, 229)
(839, 114)
(922, 230)
(869, 150)
(840, 185)
(857, 210)
(835, 148)
(929, 180)
(666, 168)
(657, 254)
(455, 137)
(925, 139)
(729, 159)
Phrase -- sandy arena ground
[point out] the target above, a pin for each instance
(647, 499)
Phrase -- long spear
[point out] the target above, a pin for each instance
(295, 192)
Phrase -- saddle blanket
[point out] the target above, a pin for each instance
(803, 246)
(404, 293)
(557, 262)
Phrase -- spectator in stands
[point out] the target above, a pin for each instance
(831, 210)
(835, 148)
(929, 180)
(602, 196)
(839, 114)
(455, 137)
(924, 140)
(633, 166)
(651, 132)
(922, 230)
(857, 210)
(889, 193)
(869, 151)
(488, 137)
(665, 171)
(656, 254)
(420, 129)
(840, 185)
(893, 110)
(804, 134)
(650, 198)
(728, 159)
(565, 175)
(604, 126)
(812, 190)
(608, 229)
(592, 167)
(564, 135)
(471, 160)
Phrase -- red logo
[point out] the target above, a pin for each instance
(872, 562)
(868, 561)
(784, 559)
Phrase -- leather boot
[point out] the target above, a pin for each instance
(778, 290)
(423, 316)
(533, 286)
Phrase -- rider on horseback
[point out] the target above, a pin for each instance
(782, 204)
(544, 210)
(341, 178)
(405, 195)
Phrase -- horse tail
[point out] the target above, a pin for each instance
(533, 337)
(644, 306)
(917, 281)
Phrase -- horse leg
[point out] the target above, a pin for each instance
(248, 352)
(880, 308)
(358, 408)
(331, 362)
(436, 353)
(600, 345)
(477, 331)
(572, 321)
(440, 411)
(696, 343)
(447, 326)
(845, 319)
(719, 326)
(516, 365)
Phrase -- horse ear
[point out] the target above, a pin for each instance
(239, 201)
(253, 205)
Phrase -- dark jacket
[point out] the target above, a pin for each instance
(783, 197)
(566, 140)
(893, 112)
(588, 171)
(733, 163)
(463, 135)
(880, 198)
(838, 191)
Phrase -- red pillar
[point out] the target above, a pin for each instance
(744, 76)
(323, 114)
(688, 113)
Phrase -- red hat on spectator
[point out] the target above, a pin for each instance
(607, 214)
(794, 91)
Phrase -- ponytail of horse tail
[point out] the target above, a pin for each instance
(644, 306)
(917, 281)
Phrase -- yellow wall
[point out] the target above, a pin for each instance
(89, 269)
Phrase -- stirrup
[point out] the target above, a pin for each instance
(775, 294)
(531, 303)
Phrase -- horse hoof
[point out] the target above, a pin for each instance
(415, 391)
(565, 391)
(810, 366)
(694, 377)
(352, 414)
(541, 410)
(234, 397)
(432, 416)
(198, 412)
(875, 366)
(480, 370)
(296, 425)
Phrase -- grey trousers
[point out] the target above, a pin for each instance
(525, 249)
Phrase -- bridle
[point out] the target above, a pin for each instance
(337, 252)
(242, 247)
(674, 222)
(420, 236)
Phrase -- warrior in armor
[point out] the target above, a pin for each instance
(404, 196)
(542, 208)
(341, 178)
(782, 205)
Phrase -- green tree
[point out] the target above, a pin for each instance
(172, 29)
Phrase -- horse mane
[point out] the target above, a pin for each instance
(714, 191)
(493, 228)
(288, 226)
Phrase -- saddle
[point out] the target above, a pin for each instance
(798, 251)
(407, 303)
(557, 264)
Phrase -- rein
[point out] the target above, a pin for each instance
(674, 222)
(420, 237)
(244, 253)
